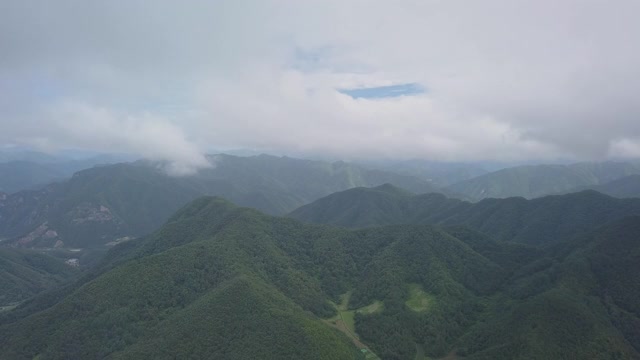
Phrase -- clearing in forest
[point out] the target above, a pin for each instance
(344, 322)
(419, 301)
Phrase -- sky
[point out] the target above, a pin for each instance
(444, 80)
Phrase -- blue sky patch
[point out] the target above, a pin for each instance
(381, 92)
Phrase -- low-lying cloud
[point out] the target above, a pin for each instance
(146, 135)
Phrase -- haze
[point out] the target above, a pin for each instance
(499, 80)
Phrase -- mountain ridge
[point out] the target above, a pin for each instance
(537, 221)
(483, 298)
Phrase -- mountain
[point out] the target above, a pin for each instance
(218, 281)
(540, 180)
(32, 170)
(21, 175)
(113, 203)
(440, 174)
(626, 187)
(538, 221)
(25, 273)
(27, 155)
(585, 295)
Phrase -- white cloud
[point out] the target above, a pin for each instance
(506, 79)
(145, 134)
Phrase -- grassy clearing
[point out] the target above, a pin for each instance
(419, 301)
(345, 322)
(377, 306)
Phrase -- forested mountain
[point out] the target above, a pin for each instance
(24, 273)
(223, 282)
(117, 202)
(626, 187)
(538, 221)
(540, 180)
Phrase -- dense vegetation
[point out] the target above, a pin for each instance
(540, 180)
(24, 273)
(539, 221)
(220, 281)
(103, 204)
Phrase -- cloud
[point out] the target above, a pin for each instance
(506, 79)
(144, 134)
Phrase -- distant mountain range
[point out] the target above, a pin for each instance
(625, 187)
(223, 282)
(540, 180)
(440, 174)
(39, 170)
(113, 203)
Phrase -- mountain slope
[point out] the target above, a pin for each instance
(539, 221)
(104, 204)
(585, 296)
(541, 180)
(25, 273)
(213, 258)
(234, 283)
(626, 187)
(19, 175)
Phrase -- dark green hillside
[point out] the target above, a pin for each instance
(271, 326)
(586, 297)
(171, 280)
(161, 284)
(108, 203)
(540, 180)
(539, 221)
(359, 207)
(24, 273)
(228, 282)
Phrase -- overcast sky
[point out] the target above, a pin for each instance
(443, 80)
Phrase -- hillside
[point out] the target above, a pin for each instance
(626, 187)
(540, 180)
(210, 256)
(117, 202)
(231, 283)
(584, 294)
(19, 175)
(539, 221)
(25, 273)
